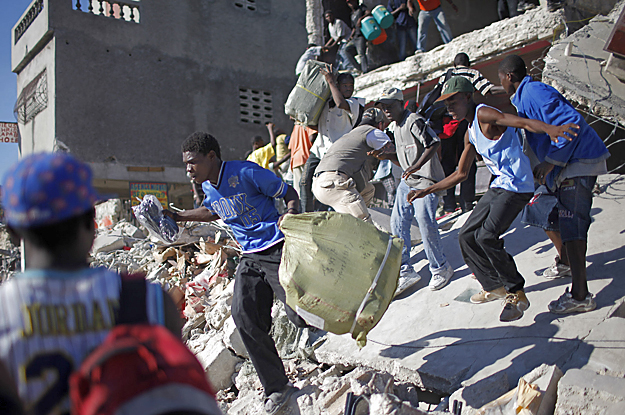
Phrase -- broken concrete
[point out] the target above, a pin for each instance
(471, 397)
(491, 41)
(582, 391)
(218, 362)
(437, 340)
(580, 75)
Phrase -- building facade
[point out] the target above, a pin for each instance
(120, 84)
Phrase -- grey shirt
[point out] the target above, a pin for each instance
(412, 137)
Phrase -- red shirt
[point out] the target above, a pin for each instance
(427, 5)
(300, 145)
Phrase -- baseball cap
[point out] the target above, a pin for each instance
(46, 188)
(454, 85)
(373, 114)
(390, 94)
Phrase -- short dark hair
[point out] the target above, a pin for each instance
(200, 142)
(59, 234)
(462, 59)
(513, 64)
(328, 12)
(256, 139)
(344, 77)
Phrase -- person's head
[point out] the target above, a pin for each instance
(462, 59)
(329, 16)
(257, 142)
(511, 72)
(353, 4)
(345, 81)
(202, 155)
(48, 200)
(374, 117)
(457, 94)
(392, 103)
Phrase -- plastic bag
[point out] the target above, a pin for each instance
(150, 214)
(309, 95)
(339, 272)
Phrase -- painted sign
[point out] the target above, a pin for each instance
(9, 133)
(138, 190)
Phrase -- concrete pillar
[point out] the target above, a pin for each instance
(314, 21)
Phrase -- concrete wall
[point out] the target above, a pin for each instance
(130, 92)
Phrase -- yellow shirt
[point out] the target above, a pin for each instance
(262, 156)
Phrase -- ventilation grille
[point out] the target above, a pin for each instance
(33, 99)
(256, 106)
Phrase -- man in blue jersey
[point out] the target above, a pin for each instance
(491, 134)
(59, 309)
(242, 194)
(569, 169)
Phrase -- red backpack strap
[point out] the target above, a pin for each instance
(132, 300)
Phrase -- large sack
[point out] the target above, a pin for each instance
(309, 95)
(336, 268)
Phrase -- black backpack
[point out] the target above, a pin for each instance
(433, 111)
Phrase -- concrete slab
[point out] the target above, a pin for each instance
(574, 66)
(437, 342)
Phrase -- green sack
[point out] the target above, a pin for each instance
(309, 95)
(339, 273)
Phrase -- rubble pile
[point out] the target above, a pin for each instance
(198, 272)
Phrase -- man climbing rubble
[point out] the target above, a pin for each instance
(242, 194)
(491, 133)
(416, 144)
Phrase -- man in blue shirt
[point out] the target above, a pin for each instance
(568, 168)
(242, 194)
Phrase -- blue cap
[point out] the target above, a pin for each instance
(46, 188)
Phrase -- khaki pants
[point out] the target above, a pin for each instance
(339, 191)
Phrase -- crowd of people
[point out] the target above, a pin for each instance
(57, 311)
(407, 35)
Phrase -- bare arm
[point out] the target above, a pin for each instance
(496, 90)
(429, 152)
(200, 214)
(272, 137)
(488, 115)
(398, 10)
(412, 10)
(460, 175)
(338, 98)
(387, 152)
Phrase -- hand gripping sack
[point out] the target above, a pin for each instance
(306, 100)
(339, 272)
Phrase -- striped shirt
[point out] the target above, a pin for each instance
(480, 83)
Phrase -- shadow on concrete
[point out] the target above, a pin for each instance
(479, 348)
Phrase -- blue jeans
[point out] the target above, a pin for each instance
(574, 204)
(345, 59)
(424, 22)
(404, 32)
(424, 211)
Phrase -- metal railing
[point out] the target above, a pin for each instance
(122, 10)
(30, 16)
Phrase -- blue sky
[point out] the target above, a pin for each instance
(11, 12)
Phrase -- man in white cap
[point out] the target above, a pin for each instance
(416, 144)
(342, 177)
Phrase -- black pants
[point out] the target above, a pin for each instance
(306, 197)
(255, 285)
(480, 243)
(507, 8)
(451, 150)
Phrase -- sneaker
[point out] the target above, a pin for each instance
(277, 402)
(407, 278)
(557, 270)
(438, 281)
(514, 306)
(488, 296)
(566, 304)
